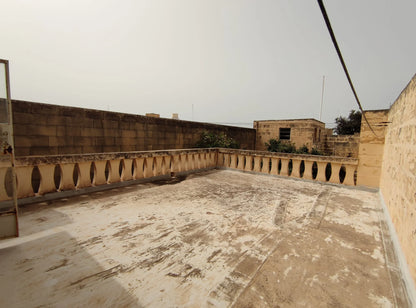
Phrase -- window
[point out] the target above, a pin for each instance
(284, 133)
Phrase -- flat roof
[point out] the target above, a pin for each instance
(218, 238)
(309, 119)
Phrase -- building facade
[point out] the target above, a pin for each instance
(309, 132)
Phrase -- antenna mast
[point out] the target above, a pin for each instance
(322, 97)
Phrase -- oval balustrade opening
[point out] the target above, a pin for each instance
(342, 173)
(75, 175)
(107, 170)
(92, 172)
(35, 179)
(57, 176)
(302, 168)
(314, 170)
(328, 171)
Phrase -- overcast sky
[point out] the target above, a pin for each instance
(235, 61)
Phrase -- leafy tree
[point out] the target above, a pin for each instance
(350, 125)
(216, 140)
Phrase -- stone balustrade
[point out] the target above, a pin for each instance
(41, 175)
(336, 170)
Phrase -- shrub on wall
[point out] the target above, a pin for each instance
(215, 140)
(278, 146)
(287, 147)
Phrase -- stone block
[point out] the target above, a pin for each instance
(128, 134)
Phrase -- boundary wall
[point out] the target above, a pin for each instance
(43, 129)
(398, 172)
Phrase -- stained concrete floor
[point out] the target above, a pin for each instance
(220, 238)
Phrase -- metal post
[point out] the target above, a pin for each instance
(322, 97)
(11, 141)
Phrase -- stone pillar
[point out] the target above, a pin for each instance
(158, 166)
(285, 166)
(233, 163)
(166, 168)
(249, 163)
(3, 192)
(241, 159)
(47, 181)
(99, 176)
(275, 166)
(336, 167)
(296, 167)
(127, 175)
(257, 160)
(24, 181)
(349, 176)
(321, 171)
(84, 177)
(67, 181)
(220, 162)
(114, 174)
(265, 167)
(148, 167)
(307, 175)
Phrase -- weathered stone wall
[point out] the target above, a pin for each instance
(43, 129)
(398, 175)
(309, 132)
(343, 145)
(370, 152)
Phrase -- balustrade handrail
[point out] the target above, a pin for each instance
(66, 158)
(40, 175)
(310, 157)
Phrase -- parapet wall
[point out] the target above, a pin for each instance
(398, 174)
(342, 145)
(371, 147)
(43, 129)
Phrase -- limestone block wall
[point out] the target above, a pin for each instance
(309, 132)
(43, 129)
(371, 148)
(398, 173)
(342, 145)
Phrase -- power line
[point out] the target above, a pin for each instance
(334, 41)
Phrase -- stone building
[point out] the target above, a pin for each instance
(309, 132)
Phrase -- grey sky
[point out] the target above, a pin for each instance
(235, 61)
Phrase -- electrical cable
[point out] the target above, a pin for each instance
(334, 41)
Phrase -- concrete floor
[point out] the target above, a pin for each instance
(220, 238)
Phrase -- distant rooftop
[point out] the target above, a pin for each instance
(284, 120)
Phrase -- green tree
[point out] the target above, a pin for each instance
(216, 140)
(350, 125)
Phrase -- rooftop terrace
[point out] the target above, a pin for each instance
(215, 238)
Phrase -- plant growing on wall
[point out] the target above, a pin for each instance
(350, 125)
(287, 147)
(216, 140)
(278, 146)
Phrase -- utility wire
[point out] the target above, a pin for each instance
(334, 41)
